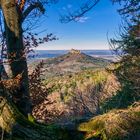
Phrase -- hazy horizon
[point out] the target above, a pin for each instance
(73, 48)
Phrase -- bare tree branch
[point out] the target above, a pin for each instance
(36, 5)
(75, 16)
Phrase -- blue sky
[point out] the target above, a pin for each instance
(89, 33)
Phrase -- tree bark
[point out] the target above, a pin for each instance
(16, 56)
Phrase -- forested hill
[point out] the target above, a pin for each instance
(73, 61)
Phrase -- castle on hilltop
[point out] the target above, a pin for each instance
(74, 51)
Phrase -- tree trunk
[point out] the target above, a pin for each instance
(15, 50)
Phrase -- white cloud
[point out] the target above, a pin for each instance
(81, 19)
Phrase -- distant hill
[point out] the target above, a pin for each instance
(73, 61)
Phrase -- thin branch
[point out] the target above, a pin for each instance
(79, 13)
(36, 5)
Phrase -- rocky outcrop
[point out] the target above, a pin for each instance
(74, 51)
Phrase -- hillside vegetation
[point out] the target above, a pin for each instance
(76, 96)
